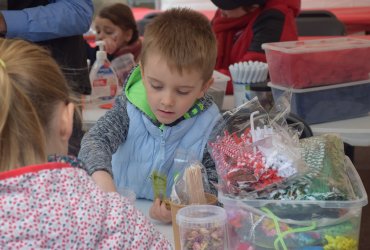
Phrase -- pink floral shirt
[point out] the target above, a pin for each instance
(57, 206)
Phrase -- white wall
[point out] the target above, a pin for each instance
(314, 4)
(306, 4)
(100, 3)
(193, 4)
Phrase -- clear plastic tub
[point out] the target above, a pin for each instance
(202, 227)
(292, 224)
(328, 103)
(123, 64)
(304, 64)
(218, 88)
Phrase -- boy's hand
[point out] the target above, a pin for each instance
(159, 211)
(104, 181)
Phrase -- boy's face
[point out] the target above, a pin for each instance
(170, 95)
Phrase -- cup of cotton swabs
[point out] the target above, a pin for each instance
(243, 74)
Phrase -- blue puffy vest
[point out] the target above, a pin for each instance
(148, 148)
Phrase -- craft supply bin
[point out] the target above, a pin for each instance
(218, 88)
(293, 224)
(304, 64)
(328, 103)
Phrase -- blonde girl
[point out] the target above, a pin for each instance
(48, 202)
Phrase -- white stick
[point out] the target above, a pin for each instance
(252, 129)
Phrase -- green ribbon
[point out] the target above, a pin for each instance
(281, 235)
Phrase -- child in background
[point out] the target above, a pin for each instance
(116, 26)
(163, 109)
(47, 202)
(242, 26)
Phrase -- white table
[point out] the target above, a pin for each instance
(90, 114)
(355, 132)
(165, 229)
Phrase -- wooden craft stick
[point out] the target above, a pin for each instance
(194, 185)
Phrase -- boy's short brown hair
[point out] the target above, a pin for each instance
(184, 38)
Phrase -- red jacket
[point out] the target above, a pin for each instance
(240, 39)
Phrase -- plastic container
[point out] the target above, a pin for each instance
(211, 200)
(123, 65)
(202, 227)
(242, 93)
(304, 64)
(218, 88)
(103, 78)
(328, 103)
(263, 93)
(255, 223)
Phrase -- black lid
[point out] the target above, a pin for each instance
(260, 86)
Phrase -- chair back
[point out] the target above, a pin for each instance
(319, 23)
(143, 22)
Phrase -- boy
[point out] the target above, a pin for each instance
(163, 109)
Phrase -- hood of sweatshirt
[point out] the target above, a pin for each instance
(136, 95)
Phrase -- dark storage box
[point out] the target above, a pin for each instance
(328, 103)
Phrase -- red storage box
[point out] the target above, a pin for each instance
(304, 64)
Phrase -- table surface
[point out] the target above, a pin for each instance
(165, 229)
(355, 132)
(90, 114)
(352, 15)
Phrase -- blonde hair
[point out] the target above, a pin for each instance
(184, 38)
(31, 85)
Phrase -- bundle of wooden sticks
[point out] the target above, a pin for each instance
(194, 184)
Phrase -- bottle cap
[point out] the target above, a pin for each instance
(101, 54)
(101, 45)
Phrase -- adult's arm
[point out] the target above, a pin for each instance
(59, 18)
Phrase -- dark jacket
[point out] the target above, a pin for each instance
(69, 52)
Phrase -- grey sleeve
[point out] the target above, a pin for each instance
(208, 162)
(210, 167)
(103, 139)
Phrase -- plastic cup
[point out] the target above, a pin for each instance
(128, 193)
(242, 93)
(211, 200)
(264, 94)
(202, 226)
